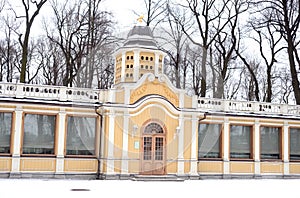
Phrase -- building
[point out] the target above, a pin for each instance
(142, 126)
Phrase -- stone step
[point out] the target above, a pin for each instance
(156, 178)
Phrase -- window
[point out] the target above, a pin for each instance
(209, 141)
(151, 67)
(146, 67)
(151, 58)
(5, 131)
(142, 57)
(131, 57)
(142, 66)
(127, 75)
(131, 66)
(240, 141)
(270, 143)
(81, 136)
(127, 57)
(39, 133)
(147, 58)
(127, 66)
(131, 75)
(294, 143)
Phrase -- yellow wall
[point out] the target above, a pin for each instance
(38, 164)
(81, 165)
(5, 164)
(241, 167)
(210, 167)
(154, 88)
(187, 144)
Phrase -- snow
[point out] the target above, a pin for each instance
(35, 188)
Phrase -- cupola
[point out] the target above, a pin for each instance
(138, 55)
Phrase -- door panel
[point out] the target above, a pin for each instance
(153, 159)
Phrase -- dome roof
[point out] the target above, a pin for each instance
(140, 36)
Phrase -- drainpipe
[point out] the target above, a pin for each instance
(204, 117)
(99, 174)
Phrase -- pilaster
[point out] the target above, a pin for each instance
(61, 141)
(180, 165)
(18, 123)
(226, 147)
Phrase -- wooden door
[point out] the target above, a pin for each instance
(153, 151)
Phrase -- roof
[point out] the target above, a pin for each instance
(140, 36)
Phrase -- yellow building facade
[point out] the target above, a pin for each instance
(142, 126)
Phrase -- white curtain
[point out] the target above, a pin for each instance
(240, 141)
(5, 132)
(209, 143)
(269, 137)
(295, 143)
(81, 135)
(39, 133)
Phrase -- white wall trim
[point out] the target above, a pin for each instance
(125, 144)
(17, 139)
(180, 165)
(111, 140)
(61, 141)
(193, 167)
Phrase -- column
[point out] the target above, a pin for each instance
(194, 149)
(18, 121)
(226, 147)
(180, 163)
(125, 144)
(61, 130)
(256, 148)
(285, 147)
(136, 65)
(156, 64)
(110, 150)
(123, 66)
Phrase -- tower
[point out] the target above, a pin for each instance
(138, 55)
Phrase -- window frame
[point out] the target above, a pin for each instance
(11, 133)
(96, 140)
(251, 142)
(55, 135)
(289, 144)
(221, 138)
(280, 142)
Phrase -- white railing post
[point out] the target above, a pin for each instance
(19, 91)
(63, 93)
(225, 104)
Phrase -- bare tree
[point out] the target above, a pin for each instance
(284, 16)
(154, 10)
(175, 44)
(24, 39)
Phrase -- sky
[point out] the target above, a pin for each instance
(123, 11)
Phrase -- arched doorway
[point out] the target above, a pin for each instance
(153, 150)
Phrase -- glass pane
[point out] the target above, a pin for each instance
(147, 148)
(269, 141)
(209, 141)
(39, 134)
(5, 131)
(153, 128)
(159, 148)
(294, 144)
(240, 141)
(81, 136)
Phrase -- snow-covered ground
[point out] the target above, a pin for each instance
(33, 188)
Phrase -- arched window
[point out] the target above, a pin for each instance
(153, 128)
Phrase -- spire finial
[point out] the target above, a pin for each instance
(140, 19)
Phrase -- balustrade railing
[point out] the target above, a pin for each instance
(247, 106)
(46, 92)
(85, 95)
